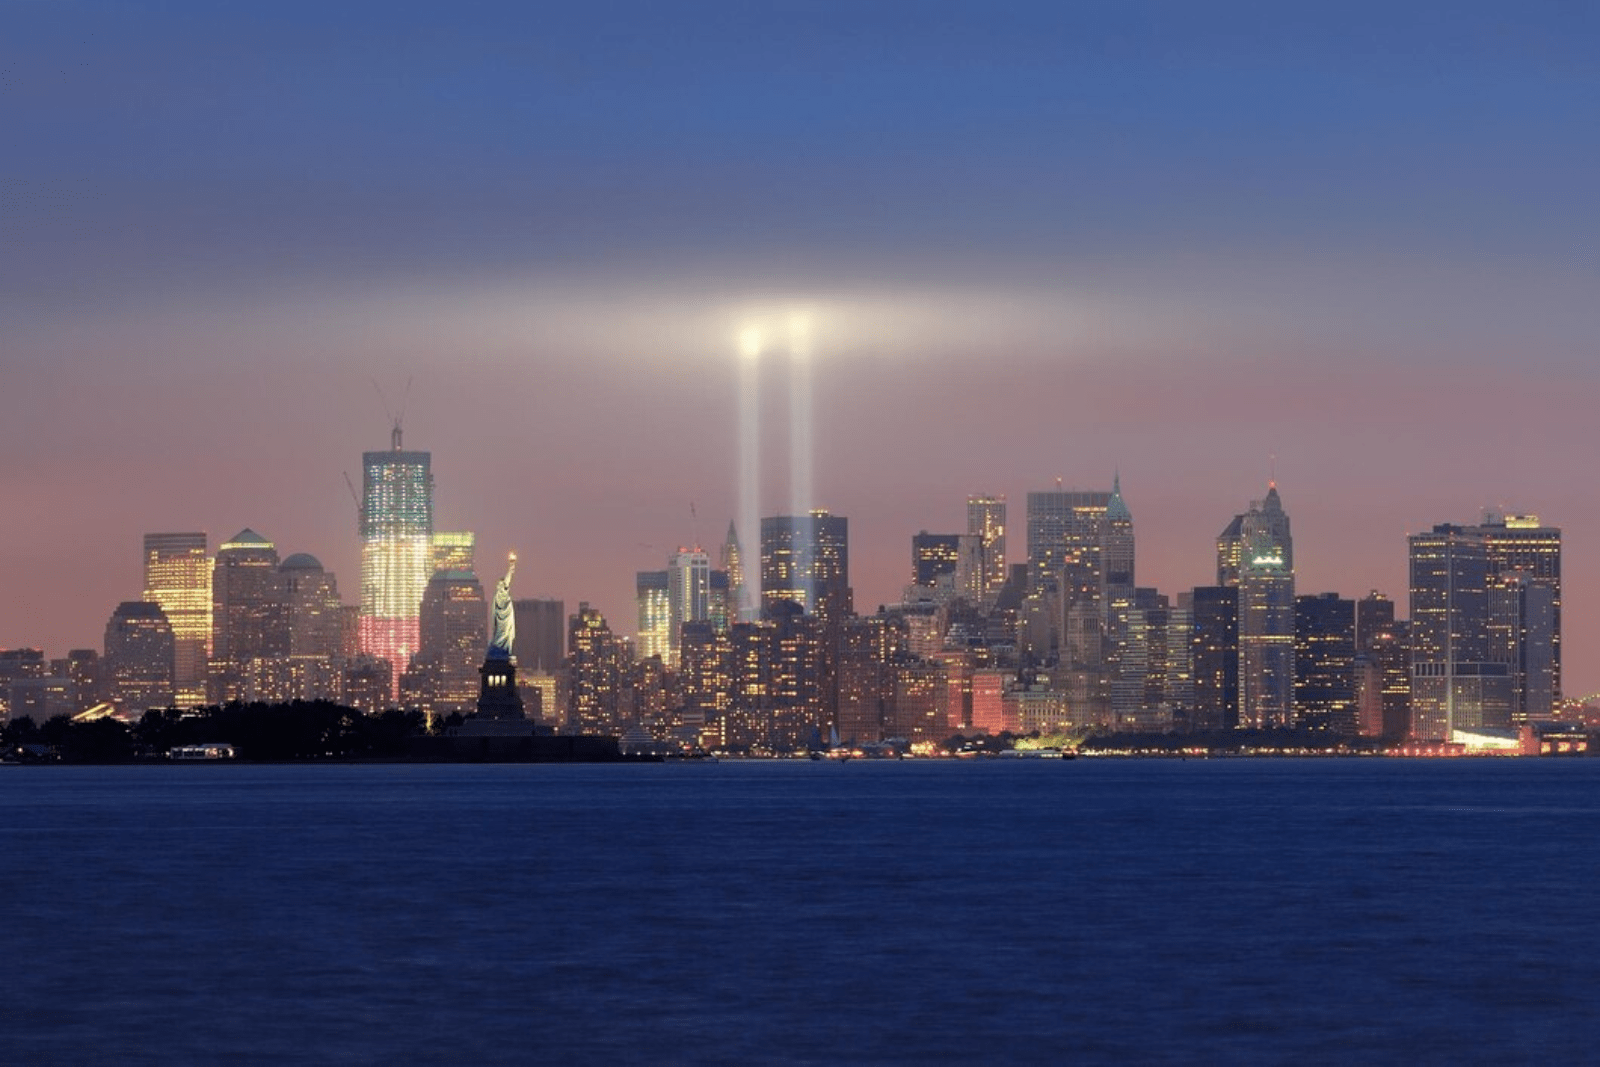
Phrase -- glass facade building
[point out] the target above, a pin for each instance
(177, 575)
(396, 550)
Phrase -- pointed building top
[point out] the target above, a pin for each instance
(247, 538)
(1116, 507)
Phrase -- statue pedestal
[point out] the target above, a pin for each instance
(497, 694)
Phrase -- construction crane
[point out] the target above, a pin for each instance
(355, 496)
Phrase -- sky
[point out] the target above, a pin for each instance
(1350, 246)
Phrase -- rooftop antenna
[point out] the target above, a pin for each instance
(1272, 470)
(396, 422)
(694, 524)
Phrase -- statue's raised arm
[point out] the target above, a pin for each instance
(505, 618)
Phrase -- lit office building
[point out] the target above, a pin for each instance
(805, 560)
(140, 654)
(177, 575)
(1214, 657)
(986, 521)
(1455, 682)
(653, 601)
(741, 602)
(249, 616)
(454, 551)
(1065, 527)
(598, 664)
(1522, 633)
(1266, 614)
(1522, 545)
(396, 550)
(452, 634)
(311, 607)
(688, 595)
(1385, 642)
(1324, 662)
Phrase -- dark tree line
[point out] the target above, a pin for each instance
(302, 730)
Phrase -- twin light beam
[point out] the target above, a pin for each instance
(752, 345)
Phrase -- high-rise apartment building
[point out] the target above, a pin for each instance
(688, 595)
(598, 661)
(705, 671)
(805, 560)
(177, 575)
(396, 549)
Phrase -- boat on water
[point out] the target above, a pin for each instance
(208, 751)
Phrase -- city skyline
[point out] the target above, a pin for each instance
(623, 615)
(1061, 243)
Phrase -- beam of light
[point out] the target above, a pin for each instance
(749, 522)
(801, 498)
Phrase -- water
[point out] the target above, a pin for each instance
(1319, 911)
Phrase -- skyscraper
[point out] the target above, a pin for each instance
(1521, 544)
(139, 658)
(986, 520)
(935, 557)
(1214, 644)
(599, 662)
(652, 599)
(1455, 684)
(742, 605)
(452, 632)
(314, 620)
(541, 635)
(1522, 632)
(1065, 527)
(1324, 668)
(688, 595)
(1080, 560)
(805, 559)
(249, 616)
(1266, 614)
(311, 607)
(396, 549)
(454, 551)
(1384, 642)
(177, 575)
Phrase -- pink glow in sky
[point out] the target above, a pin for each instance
(1055, 247)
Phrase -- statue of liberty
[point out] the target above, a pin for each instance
(505, 617)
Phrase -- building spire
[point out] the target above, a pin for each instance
(1116, 507)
